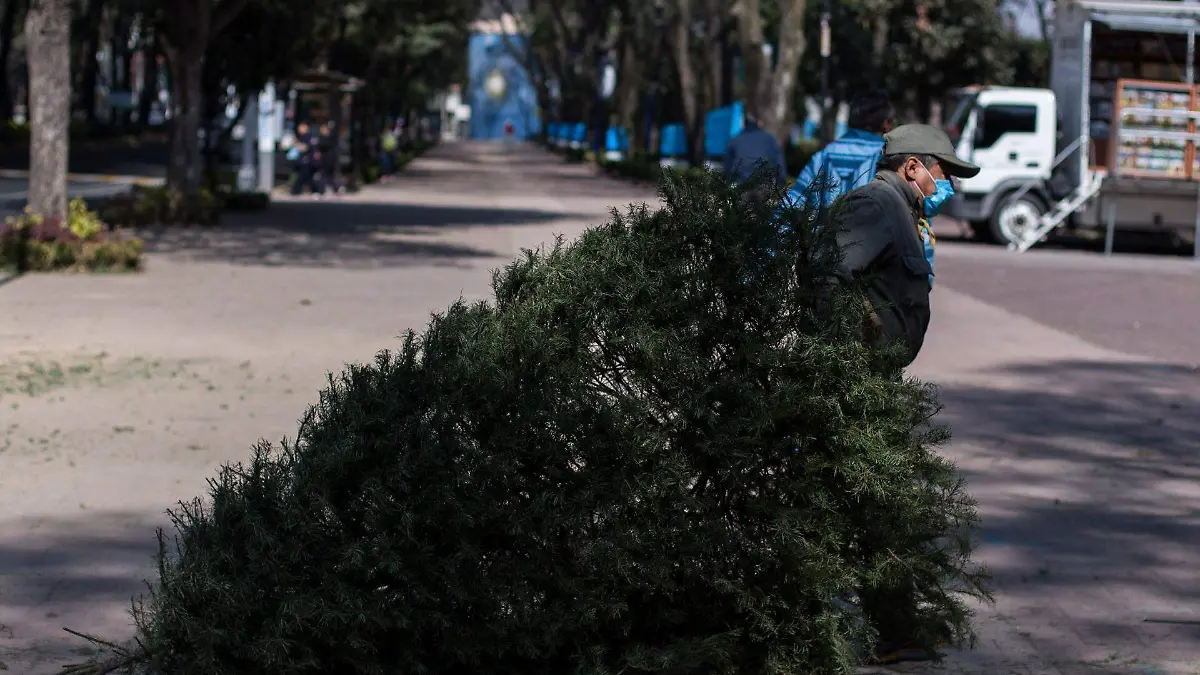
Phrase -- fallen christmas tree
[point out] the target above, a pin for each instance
(663, 448)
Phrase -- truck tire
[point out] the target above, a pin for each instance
(1013, 217)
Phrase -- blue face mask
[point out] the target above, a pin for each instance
(935, 201)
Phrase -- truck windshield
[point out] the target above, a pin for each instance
(960, 104)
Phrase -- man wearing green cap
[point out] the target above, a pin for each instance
(886, 235)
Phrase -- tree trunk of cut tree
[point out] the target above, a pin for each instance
(48, 36)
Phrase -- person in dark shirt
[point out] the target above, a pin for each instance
(882, 240)
(302, 166)
(882, 235)
(752, 147)
(327, 161)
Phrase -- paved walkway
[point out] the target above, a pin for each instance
(120, 395)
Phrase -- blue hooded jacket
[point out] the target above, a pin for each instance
(849, 162)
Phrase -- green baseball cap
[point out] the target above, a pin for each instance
(924, 139)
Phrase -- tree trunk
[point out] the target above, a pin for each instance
(769, 90)
(689, 88)
(149, 86)
(1042, 8)
(792, 44)
(48, 35)
(187, 109)
(189, 27)
(629, 83)
(88, 69)
(8, 29)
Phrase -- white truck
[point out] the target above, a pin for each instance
(1113, 144)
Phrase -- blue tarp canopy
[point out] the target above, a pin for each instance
(720, 126)
(673, 142)
(616, 139)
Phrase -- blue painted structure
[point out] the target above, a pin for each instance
(720, 126)
(616, 139)
(489, 55)
(673, 142)
(577, 134)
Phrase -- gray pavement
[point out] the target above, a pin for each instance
(1083, 458)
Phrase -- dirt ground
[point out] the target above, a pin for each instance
(120, 395)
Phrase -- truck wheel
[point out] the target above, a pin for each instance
(1014, 217)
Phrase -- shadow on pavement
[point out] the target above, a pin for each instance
(79, 573)
(1088, 478)
(342, 234)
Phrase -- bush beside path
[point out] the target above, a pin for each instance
(120, 395)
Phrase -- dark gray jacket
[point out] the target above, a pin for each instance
(881, 240)
(750, 147)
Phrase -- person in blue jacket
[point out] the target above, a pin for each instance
(848, 162)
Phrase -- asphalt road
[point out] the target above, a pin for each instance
(14, 192)
(1138, 303)
(128, 158)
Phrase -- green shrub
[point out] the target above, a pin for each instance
(372, 172)
(32, 243)
(146, 206)
(662, 449)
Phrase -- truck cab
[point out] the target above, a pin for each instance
(1012, 135)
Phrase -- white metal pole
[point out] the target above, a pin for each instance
(1191, 57)
(267, 129)
(250, 125)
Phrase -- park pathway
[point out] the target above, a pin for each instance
(120, 395)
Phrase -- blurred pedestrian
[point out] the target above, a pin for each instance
(388, 144)
(327, 159)
(301, 155)
(752, 148)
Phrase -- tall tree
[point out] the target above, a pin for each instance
(914, 49)
(48, 40)
(695, 28)
(86, 37)
(184, 31)
(769, 88)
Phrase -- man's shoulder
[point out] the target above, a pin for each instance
(875, 196)
(873, 190)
